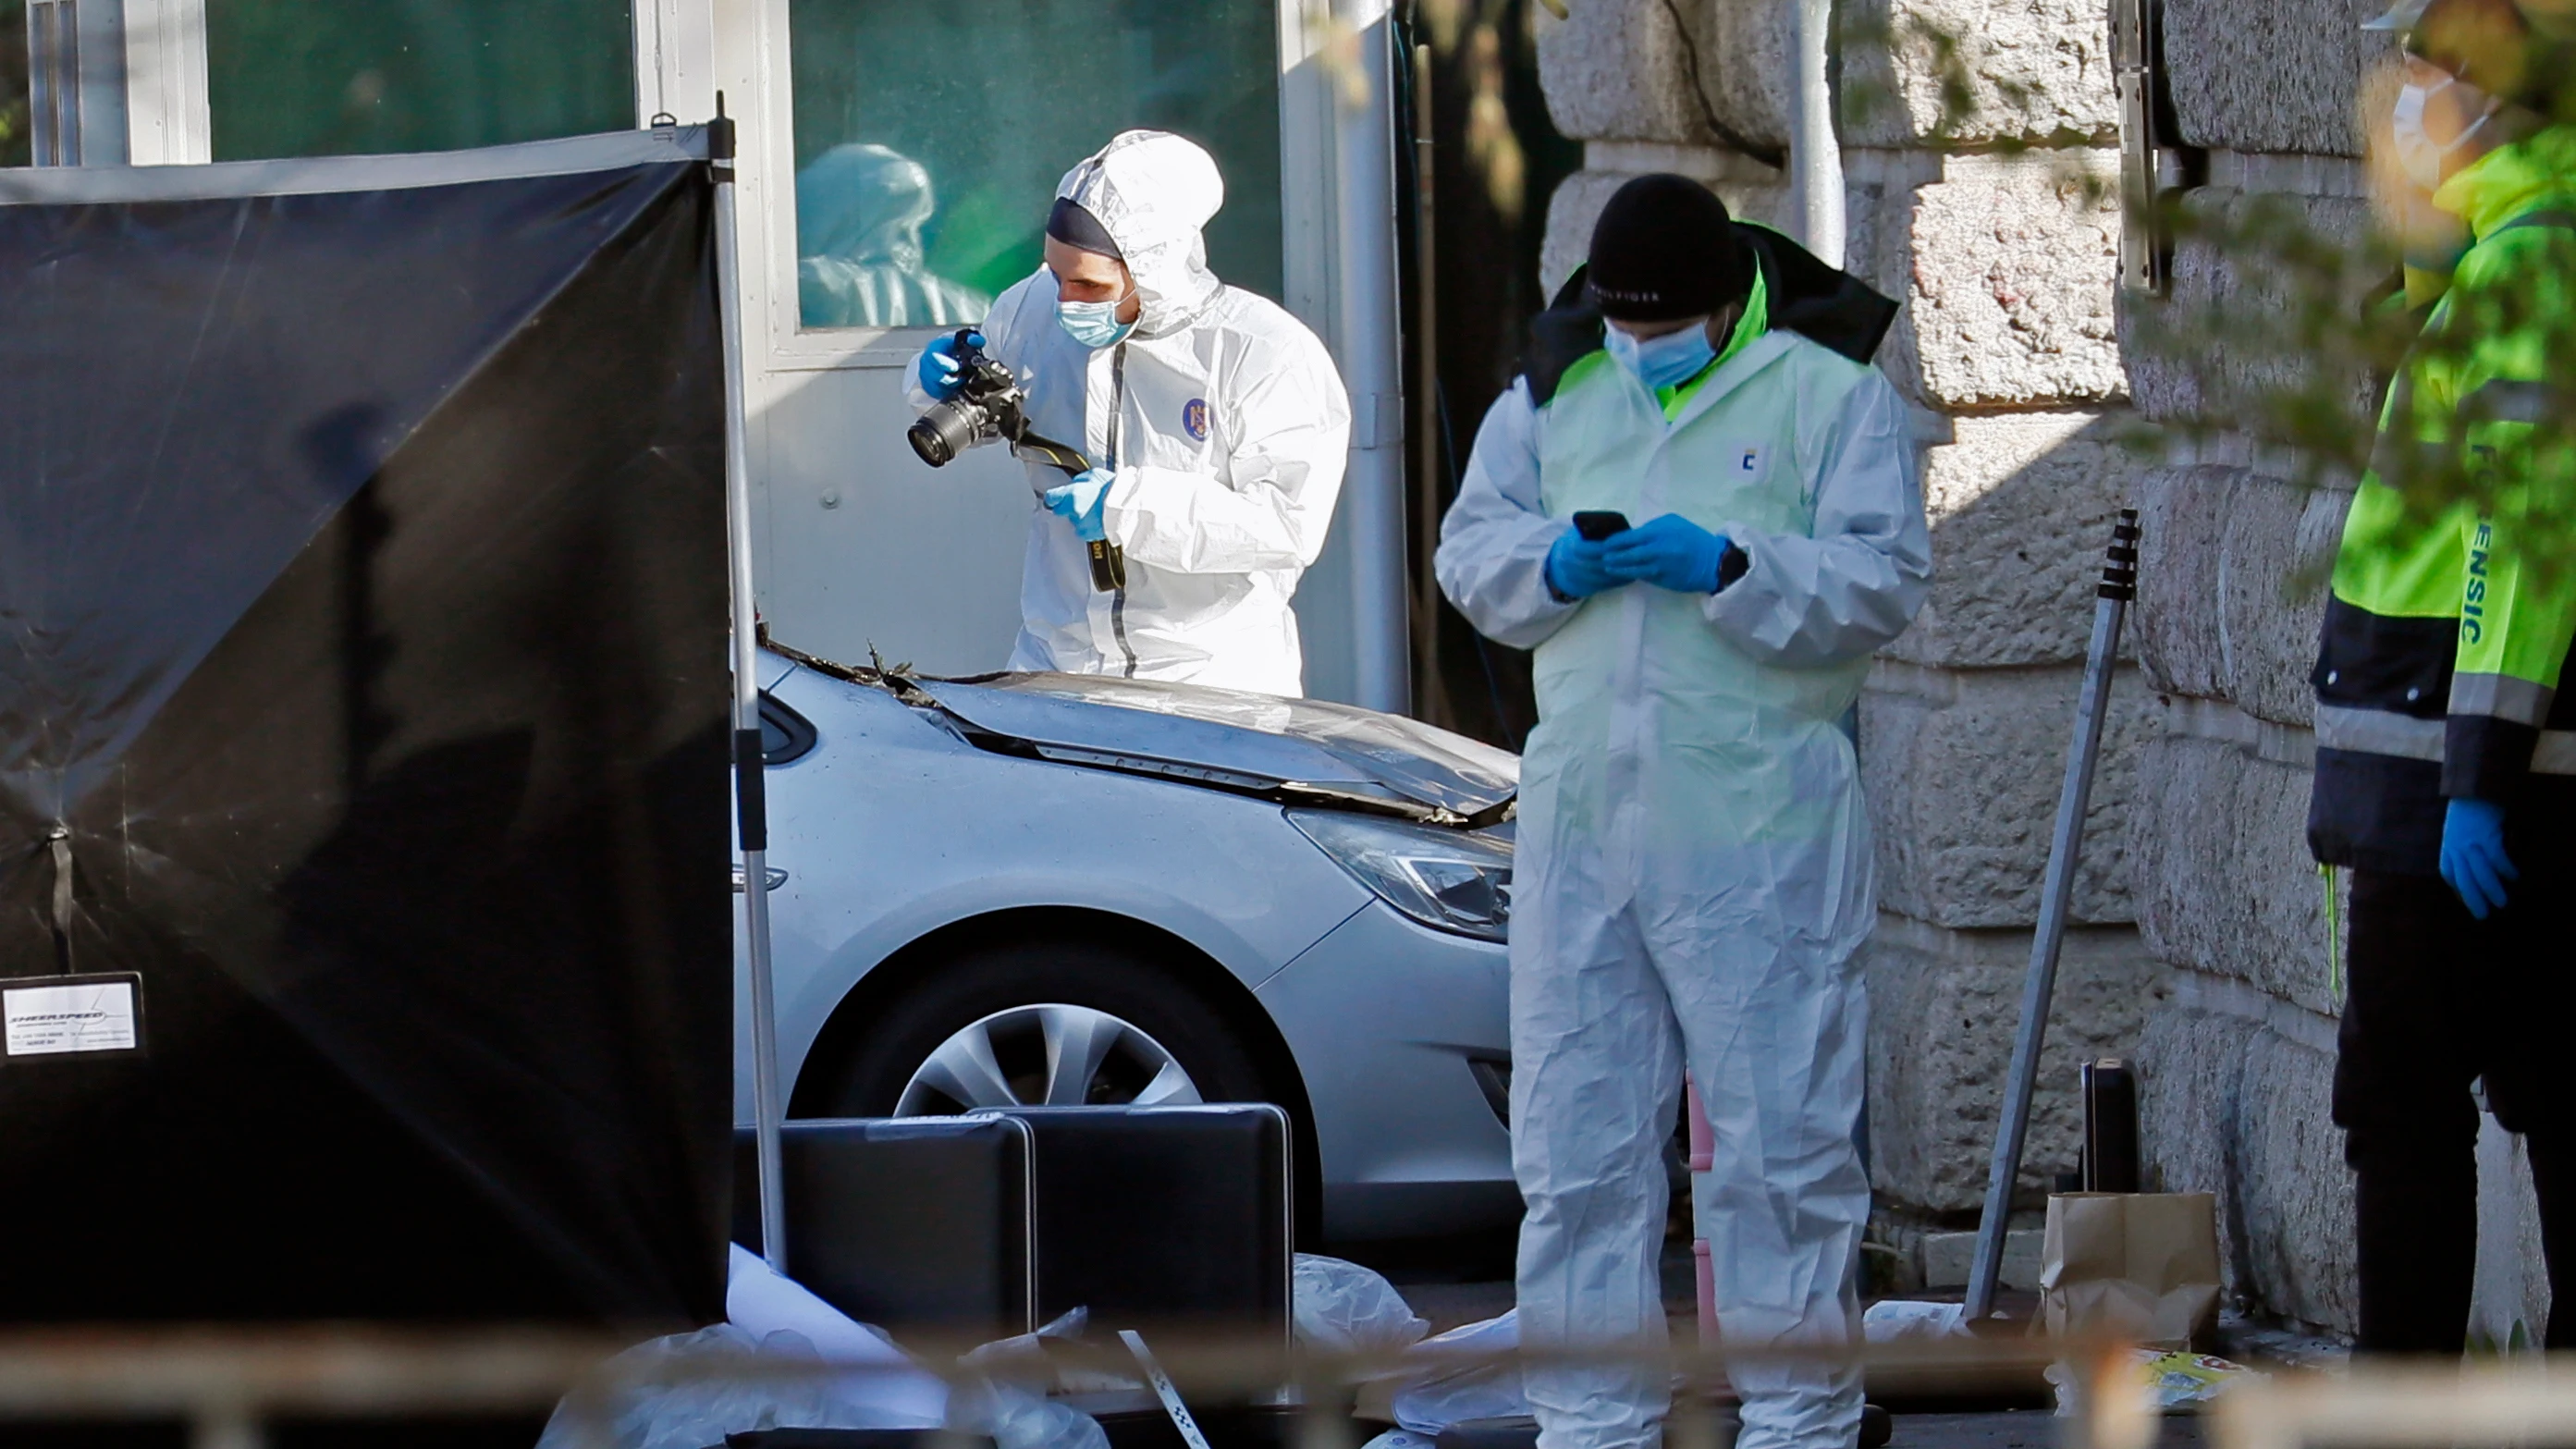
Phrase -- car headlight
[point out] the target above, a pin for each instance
(1455, 880)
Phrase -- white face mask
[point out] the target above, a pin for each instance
(2425, 160)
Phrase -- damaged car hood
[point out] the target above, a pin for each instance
(1299, 748)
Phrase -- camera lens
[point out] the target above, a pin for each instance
(944, 431)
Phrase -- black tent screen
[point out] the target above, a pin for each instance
(364, 913)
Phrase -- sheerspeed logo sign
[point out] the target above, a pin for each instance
(49, 1016)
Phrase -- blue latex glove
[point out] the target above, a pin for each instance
(1670, 552)
(1080, 502)
(2473, 859)
(938, 365)
(1574, 568)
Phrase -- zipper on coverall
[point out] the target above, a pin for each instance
(1117, 407)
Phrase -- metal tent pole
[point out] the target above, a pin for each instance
(750, 798)
(2057, 889)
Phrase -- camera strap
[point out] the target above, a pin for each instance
(1108, 560)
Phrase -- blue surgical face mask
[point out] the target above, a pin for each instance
(1094, 324)
(1662, 362)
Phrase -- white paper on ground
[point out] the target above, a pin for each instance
(760, 1301)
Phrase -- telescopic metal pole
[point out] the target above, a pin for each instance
(750, 798)
(2057, 889)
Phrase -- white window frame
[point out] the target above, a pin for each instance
(137, 78)
(168, 122)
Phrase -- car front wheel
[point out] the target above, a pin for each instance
(1044, 1023)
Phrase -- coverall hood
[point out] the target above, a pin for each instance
(1154, 191)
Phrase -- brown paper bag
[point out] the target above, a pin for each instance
(2136, 1265)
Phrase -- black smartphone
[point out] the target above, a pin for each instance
(1596, 525)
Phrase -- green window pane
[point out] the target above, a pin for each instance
(331, 77)
(929, 138)
(14, 142)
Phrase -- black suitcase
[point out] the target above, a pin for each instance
(1165, 1218)
(1153, 1218)
(915, 1224)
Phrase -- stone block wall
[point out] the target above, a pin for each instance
(2200, 947)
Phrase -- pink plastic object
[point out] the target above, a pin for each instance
(1707, 1292)
(1703, 1141)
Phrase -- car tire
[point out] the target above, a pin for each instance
(1007, 984)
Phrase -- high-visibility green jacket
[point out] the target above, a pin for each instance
(2443, 646)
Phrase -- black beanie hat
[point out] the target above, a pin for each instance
(1077, 228)
(1663, 249)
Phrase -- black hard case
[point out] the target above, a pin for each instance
(1154, 1218)
(916, 1224)
(1165, 1218)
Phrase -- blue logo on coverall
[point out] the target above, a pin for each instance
(1194, 419)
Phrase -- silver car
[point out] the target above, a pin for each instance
(1053, 888)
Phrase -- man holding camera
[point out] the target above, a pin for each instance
(1216, 424)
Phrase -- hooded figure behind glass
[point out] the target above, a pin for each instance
(860, 209)
(1216, 420)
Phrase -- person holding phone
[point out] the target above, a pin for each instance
(1694, 872)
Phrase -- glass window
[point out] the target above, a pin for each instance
(14, 149)
(327, 77)
(929, 138)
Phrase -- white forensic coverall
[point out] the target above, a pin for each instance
(1694, 859)
(1226, 425)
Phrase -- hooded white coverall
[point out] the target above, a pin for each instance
(1694, 859)
(1224, 420)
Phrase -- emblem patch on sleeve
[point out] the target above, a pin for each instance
(1194, 419)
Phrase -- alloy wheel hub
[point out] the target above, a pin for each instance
(1050, 1054)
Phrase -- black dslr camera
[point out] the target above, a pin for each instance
(986, 406)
